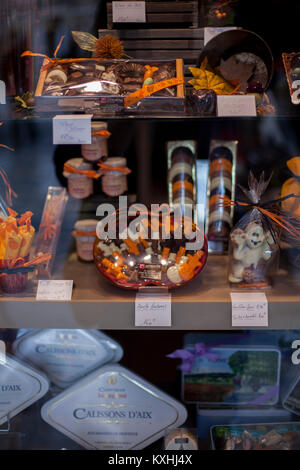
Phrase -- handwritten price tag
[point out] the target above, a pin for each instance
(249, 309)
(54, 290)
(236, 105)
(153, 310)
(72, 129)
(129, 12)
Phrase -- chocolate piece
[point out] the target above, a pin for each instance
(182, 154)
(221, 152)
(76, 75)
(182, 194)
(182, 177)
(202, 102)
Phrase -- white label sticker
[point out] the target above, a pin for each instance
(153, 310)
(249, 309)
(2, 92)
(2, 351)
(71, 129)
(236, 105)
(54, 290)
(129, 12)
(211, 32)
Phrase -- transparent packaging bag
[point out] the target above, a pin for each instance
(253, 248)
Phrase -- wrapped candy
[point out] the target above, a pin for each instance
(253, 245)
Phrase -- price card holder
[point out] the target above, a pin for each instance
(153, 307)
(54, 290)
(69, 129)
(249, 309)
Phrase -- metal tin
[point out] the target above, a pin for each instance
(20, 386)
(291, 401)
(113, 409)
(236, 376)
(67, 355)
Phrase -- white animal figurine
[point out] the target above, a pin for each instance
(249, 247)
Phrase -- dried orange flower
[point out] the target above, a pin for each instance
(109, 47)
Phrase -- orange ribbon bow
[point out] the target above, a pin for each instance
(89, 173)
(104, 168)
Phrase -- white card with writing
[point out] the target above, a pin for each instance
(69, 129)
(249, 309)
(236, 105)
(129, 12)
(54, 290)
(153, 310)
(2, 92)
(211, 32)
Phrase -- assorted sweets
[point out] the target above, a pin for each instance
(50, 227)
(80, 175)
(290, 206)
(291, 64)
(234, 62)
(159, 252)
(97, 149)
(118, 77)
(95, 164)
(181, 172)
(285, 436)
(16, 237)
(114, 176)
(221, 188)
(85, 233)
(181, 439)
(254, 243)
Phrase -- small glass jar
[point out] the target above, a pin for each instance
(79, 186)
(114, 183)
(98, 148)
(84, 233)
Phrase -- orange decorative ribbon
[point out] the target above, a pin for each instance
(53, 62)
(276, 218)
(25, 218)
(9, 192)
(103, 133)
(148, 90)
(34, 262)
(6, 147)
(48, 229)
(104, 168)
(89, 173)
(83, 233)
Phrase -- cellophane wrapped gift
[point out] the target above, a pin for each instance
(50, 227)
(253, 248)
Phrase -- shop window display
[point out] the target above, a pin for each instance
(184, 190)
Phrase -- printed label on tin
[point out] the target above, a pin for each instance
(111, 411)
(150, 271)
(64, 355)
(19, 387)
